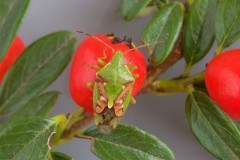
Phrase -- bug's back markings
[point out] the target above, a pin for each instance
(102, 102)
(118, 105)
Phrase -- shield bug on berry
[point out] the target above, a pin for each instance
(115, 69)
(112, 91)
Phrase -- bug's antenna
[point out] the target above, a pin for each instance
(144, 45)
(87, 34)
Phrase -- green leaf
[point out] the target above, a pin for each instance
(38, 66)
(227, 23)
(237, 123)
(11, 15)
(165, 27)
(130, 8)
(38, 106)
(198, 35)
(129, 143)
(215, 131)
(60, 156)
(27, 140)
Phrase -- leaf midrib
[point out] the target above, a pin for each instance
(229, 28)
(162, 27)
(128, 147)
(33, 140)
(216, 133)
(11, 6)
(195, 52)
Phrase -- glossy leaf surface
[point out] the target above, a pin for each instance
(129, 143)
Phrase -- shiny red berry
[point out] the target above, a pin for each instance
(223, 82)
(86, 57)
(12, 54)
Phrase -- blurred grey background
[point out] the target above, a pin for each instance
(162, 116)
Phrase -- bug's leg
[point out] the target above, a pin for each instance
(101, 60)
(132, 100)
(96, 67)
(90, 85)
(100, 81)
(135, 76)
(102, 102)
(118, 105)
(131, 67)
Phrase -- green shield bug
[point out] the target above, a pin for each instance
(112, 92)
(116, 70)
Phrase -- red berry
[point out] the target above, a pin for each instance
(223, 82)
(83, 71)
(13, 52)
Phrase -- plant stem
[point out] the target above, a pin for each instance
(76, 121)
(187, 70)
(84, 120)
(169, 86)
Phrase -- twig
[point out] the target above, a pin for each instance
(170, 86)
